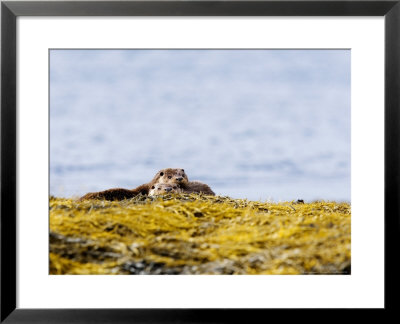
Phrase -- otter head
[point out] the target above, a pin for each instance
(164, 188)
(171, 176)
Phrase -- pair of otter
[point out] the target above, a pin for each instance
(165, 181)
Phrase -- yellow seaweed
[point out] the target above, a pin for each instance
(198, 234)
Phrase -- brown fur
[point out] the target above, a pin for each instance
(116, 193)
(170, 176)
(197, 187)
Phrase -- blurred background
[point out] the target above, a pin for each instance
(259, 124)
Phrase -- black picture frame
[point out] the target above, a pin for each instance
(10, 10)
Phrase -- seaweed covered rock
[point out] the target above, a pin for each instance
(198, 234)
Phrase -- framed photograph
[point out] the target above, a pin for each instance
(176, 160)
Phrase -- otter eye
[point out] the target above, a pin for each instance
(169, 177)
(161, 173)
(183, 170)
(152, 187)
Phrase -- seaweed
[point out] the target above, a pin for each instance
(199, 234)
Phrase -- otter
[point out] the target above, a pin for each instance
(164, 188)
(179, 177)
(171, 176)
(167, 176)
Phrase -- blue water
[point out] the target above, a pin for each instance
(256, 124)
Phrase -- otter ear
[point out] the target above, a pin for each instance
(161, 173)
(152, 187)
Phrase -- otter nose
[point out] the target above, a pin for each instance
(179, 179)
(168, 189)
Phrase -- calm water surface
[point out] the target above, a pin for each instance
(257, 124)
